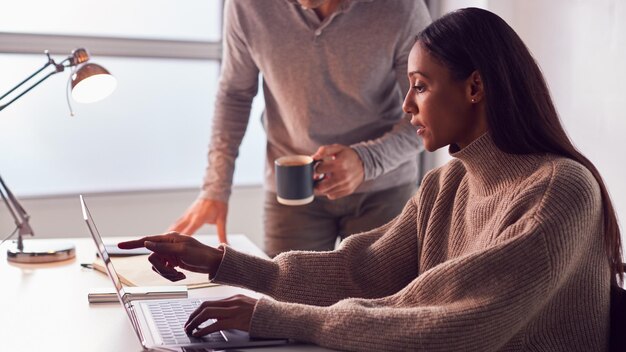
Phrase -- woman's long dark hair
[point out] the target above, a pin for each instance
(520, 113)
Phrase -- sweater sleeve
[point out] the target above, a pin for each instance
(460, 305)
(372, 264)
(475, 302)
(237, 87)
(390, 150)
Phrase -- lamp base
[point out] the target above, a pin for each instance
(41, 251)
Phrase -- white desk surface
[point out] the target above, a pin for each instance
(44, 306)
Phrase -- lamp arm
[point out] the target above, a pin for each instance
(29, 88)
(60, 67)
(26, 80)
(20, 216)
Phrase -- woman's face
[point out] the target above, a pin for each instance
(446, 111)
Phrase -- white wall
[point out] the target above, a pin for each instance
(581, 48)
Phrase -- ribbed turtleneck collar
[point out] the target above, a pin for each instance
(489, 169)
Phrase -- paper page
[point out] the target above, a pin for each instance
(137, 271)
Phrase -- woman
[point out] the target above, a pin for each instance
(512, 245)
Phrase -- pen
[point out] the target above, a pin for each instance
(86, 265)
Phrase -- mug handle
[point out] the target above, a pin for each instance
(321, 177)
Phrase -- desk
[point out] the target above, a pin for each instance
(44, 306)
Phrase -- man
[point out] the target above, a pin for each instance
(334, 72)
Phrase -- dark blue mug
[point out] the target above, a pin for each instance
(294, 179)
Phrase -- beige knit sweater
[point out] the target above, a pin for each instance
(496, 252)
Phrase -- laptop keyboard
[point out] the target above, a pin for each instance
(170, 318)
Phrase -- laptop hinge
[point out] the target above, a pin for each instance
(135, 322)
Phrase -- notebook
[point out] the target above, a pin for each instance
(158, 324)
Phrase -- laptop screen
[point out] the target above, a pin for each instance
(104, 255)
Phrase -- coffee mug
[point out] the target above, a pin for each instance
(294, 179)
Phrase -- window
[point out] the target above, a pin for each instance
(151, 133)
(147, 19)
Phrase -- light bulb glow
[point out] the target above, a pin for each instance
(94, 88)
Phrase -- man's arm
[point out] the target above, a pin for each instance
(400, 144)
(237, 87)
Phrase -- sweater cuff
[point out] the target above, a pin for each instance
(371, 168)
(220, 196)
(274, 319)
(235, 270)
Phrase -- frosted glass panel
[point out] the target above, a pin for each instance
(156, 19)
(151, 133)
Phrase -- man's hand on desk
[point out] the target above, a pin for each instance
(203, 211)
(175, 250)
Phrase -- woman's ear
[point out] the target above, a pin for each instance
(475, 88)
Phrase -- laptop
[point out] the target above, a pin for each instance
(158, 324)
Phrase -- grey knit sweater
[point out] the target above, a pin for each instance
(495, 252)
(340, 80)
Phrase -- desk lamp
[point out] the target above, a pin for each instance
(89, 82)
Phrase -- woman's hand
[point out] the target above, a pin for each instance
(231, 313)
(175, 250)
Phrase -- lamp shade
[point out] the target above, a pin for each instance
(91, 83)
